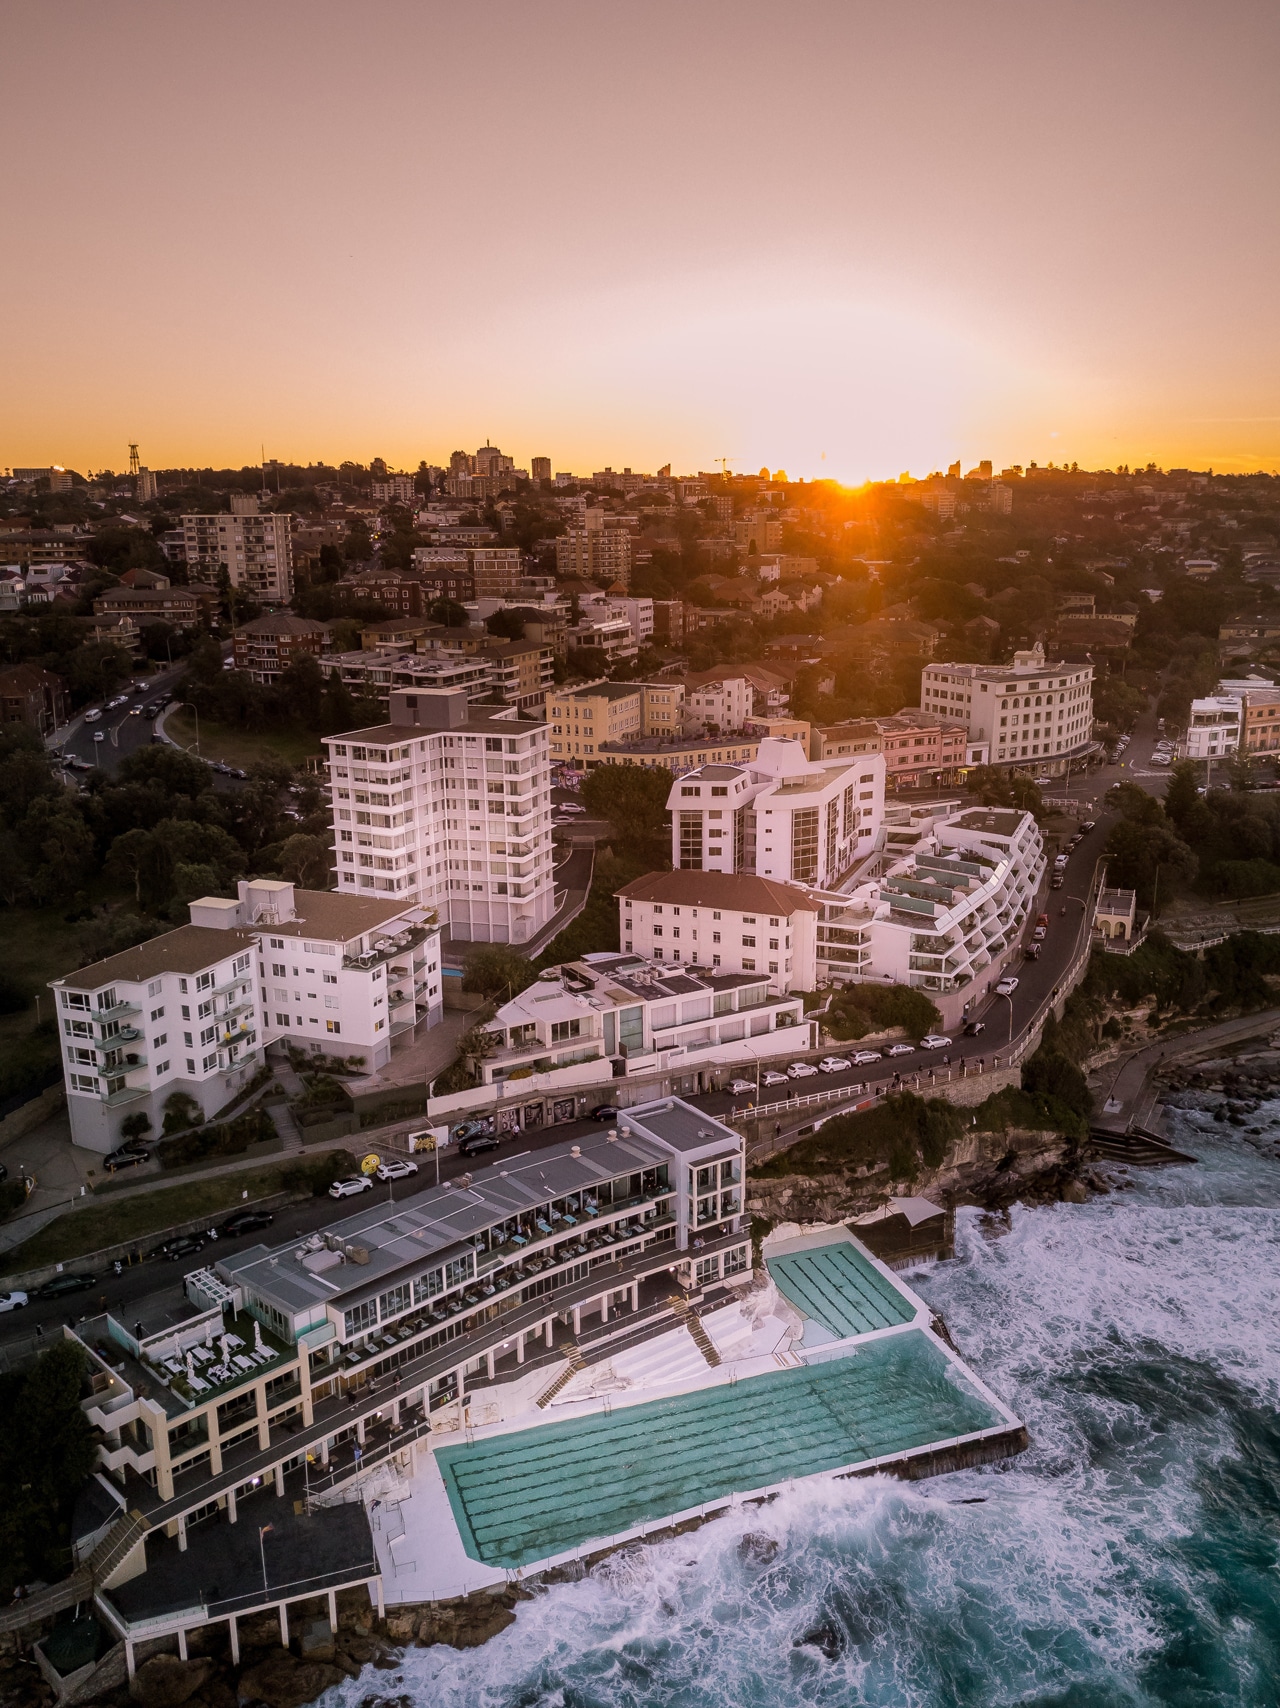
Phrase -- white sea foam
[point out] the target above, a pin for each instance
(1132, 1334)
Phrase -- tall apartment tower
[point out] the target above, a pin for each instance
(540, 468)
(255, 550)
(595, 550)
(448, 806)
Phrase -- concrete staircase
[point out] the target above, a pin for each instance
(693, 1322)
(115, 1547)
(1136, 1146)
(573, 1364)
(120, 1540)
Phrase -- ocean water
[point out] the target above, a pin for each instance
(1132, 1556)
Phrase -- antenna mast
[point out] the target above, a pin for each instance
(135, 462)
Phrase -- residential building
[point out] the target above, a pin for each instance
(395, 489)
(539, 469)
(921, 749)
(266, 647)
(732, 922)
(144, 487)
(717, 702)
(448, 805)
(780, 816)
(610, 637)
(255, 551)
(1213, 726)
(396, 591)
(1260, 729)
(614, 604)
(34, 696)
(582, 720)
(397, 634)
(681, 753)
(760, 530)
(190, 607)
(446, 576)
(495, 570)
(1244, 634)
(193, 1011)
(641, 1015)
(595, 550)
(1031, 709)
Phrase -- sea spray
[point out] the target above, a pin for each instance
(1130, 1557)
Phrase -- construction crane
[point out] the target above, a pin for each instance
(724, 465)
(135, 462)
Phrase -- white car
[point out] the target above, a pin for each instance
(901, 1050)
(1162, 759)
(351, 1185)
(98, 735)
(862, 1057)
(772, 1078)
(741, 1086)
(834, 1064)
(570, 806)
(1039, 934)
(801, 1070)
(396, 1168)
(12, 1301)
(1006, 987)
(934, 1041)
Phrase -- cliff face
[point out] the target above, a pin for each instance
(991, 1169)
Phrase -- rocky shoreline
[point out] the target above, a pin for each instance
(1233, 1090)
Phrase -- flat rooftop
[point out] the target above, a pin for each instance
(536, 1493)
(998, 822)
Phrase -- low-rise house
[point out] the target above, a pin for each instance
(34, 696)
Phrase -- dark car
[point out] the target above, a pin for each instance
(471, 1129)
(479, 1142)
(245, 1222)
(128, 1156)
(186, 1245)
(973, 1027)
(606, 1112)
(62, 1284)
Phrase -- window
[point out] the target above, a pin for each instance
(747, 942)
(157, 1014)
(279, 969)
(562, 1029)
(748, 966)
(282, 1019)
(209, 1063)
(335, 1027)
(331, 978)
(155, 987)
(159, 1042)
(708, 1269)
(394, 1301)
(359, 1318)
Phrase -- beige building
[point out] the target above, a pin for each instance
(256, 551)
(595, 550)
(581, 720)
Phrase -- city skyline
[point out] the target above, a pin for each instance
(857, 245)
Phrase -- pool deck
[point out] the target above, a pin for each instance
(528, 1491)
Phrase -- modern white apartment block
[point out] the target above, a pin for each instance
(781, 816)
(448, 806)
(643, 1017)
(194, 1010)
(725, 922)
(719, 702)
(1032, 709)
(255, 550)
(1213, 727)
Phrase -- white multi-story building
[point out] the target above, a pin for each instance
(724, 921)
(718, 702)
(1032, 709)
(194, 1010)
(448, 805)
(256, 551)
(782, 816)
(1213, 727)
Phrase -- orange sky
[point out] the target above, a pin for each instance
(840, 238)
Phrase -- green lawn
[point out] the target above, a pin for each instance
(148, 1214)
(239, 746)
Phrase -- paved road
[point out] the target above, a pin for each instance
(122, 730)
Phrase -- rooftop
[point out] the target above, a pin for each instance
(734, 891)
(997, 823)
(189, 949)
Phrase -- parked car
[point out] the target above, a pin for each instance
(801, 1070)
(605, 1112)
(834, 1064)
(187, 1245)
(901, 1050)
(973, 1027)
(245, 1222)
(235, 771)
(1089, 824)
(571, 806)
(934, 1041)
(353, 1184)
(863, 1058)
(1032, 951)
(1056, 881)
(479, 1142)
(128, 1156)
(470, 1128)
(1006, 987)
(12, 1301)
(1042, 919)
(60, 1285)
(1059, 862)
(740, 1087)
(773, 1077)
(1162, 759)
(93, 715)
(1039, 933)
(396, 1168)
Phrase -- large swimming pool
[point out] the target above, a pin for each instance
(539, 1492)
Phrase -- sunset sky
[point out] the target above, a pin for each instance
(843, 239)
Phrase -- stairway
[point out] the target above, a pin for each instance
(1137, 1146)
(693, 1322)
(574, 1363)
(123, 1536)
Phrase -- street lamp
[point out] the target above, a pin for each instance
(1009, 1000)
(195, 710)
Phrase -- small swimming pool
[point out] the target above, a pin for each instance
(838, 1286)
(538, 1492)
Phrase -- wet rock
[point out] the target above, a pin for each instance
(757, 1550)
(1075, 1192)
(467, 1625)
(165, 1681)
(216, 1694)
(315, 1641)
(282, 1681)
(401, 1626)
(825, 1638)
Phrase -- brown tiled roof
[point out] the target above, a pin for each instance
(189, 949)
(335, 917)
(739, 892)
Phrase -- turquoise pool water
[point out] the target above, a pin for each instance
(523, 1497)
(840, 1288)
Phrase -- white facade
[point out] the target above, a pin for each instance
(722, 705)
(448, 806)
(192, 1011)
(783, 816)
(256, 551)
(1213, 727)
(725, 922)
(1032, 709)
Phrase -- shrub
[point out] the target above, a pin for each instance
(13, 998)
(862, 1008)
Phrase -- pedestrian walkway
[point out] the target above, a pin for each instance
(1130, 1097)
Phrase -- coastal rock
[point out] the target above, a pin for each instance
(466, 1626)
(165, 1682)
(282, 1681)
(1075, 1192)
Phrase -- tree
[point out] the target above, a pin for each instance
(306, 861)
(302, 691)
(135, 858)
(498, 971)
(633, 799)
(1137, 851)
(448, 612)
(47, 1454)
(358, 546)
(509, 624)
(331, 564)
(337, 707)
